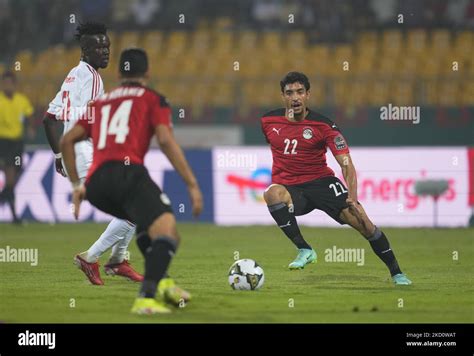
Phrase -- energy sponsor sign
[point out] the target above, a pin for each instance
(233, 179)
(386, 185)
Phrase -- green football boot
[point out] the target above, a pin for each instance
(148, 306)
(173, 294)
(401, 279)
(304, 257)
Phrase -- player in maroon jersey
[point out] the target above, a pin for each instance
(302, 181)
(121, 124)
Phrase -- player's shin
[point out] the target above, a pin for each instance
(379, 243)
(119, 250)
(286, 221)
(157, 259)
(116, 231)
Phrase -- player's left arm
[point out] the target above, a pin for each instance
(349, 174)
(336, 142)
(76, 134)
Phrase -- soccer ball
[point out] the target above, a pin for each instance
(246, 274)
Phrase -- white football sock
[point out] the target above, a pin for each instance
(116, 231)
(119, 251)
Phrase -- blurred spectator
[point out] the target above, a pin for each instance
(95, 10)
(143, 11)
(414, 13)
(385, 11)
(308, 17)
(470, 14)
(268, 12)
(456, 10)
(5, 26)
(323, 20)
(4, 10)
(334, 20)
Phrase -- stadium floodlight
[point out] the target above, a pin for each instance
(433, 188)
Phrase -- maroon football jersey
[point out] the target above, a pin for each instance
(299, 148)
(123, 123)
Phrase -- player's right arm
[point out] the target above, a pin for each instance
(52, 124)
(77, 133)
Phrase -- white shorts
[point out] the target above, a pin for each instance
(83, 152)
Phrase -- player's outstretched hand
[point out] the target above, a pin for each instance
(196, 200)
(78, 195)
(59, 167)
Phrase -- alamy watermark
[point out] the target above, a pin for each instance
(350, 255)
(228, 159)
(37, 339)
(393, 112)
(11, 254)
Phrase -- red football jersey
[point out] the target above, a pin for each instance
(299, 148)
(122, 122)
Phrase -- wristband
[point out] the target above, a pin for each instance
(58, 155)
(76, 185)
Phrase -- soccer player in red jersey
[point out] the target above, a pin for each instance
(121, 124)
(302, 181)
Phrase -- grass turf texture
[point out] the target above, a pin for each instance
(321, 293)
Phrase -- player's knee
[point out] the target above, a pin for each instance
(274, 194)
(365, 230)
(164, 225)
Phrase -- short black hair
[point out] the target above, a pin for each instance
(90, 28)
(294, 77)
(133, 62)
(9, 74)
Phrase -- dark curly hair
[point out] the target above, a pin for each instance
(90, 28)
(294, 77)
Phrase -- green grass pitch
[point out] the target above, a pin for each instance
(56, 291)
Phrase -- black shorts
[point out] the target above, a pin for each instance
(11, 152)
(328, 194)
(127, 192)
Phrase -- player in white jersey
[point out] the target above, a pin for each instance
(82, 85)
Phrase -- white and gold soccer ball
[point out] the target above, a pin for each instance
(246, 274)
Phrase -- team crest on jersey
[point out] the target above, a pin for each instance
(307, 133)
(339, 142)
(164, 199)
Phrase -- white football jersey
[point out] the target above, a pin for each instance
(82, 84)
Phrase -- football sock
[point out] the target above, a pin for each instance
(143, 242)
(286, 221)
(119, 250)
(381, 247)
(116, 230)
(157, 259)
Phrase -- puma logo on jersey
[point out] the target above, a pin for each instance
(287, 224)
(277, 130)
(69, 80)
